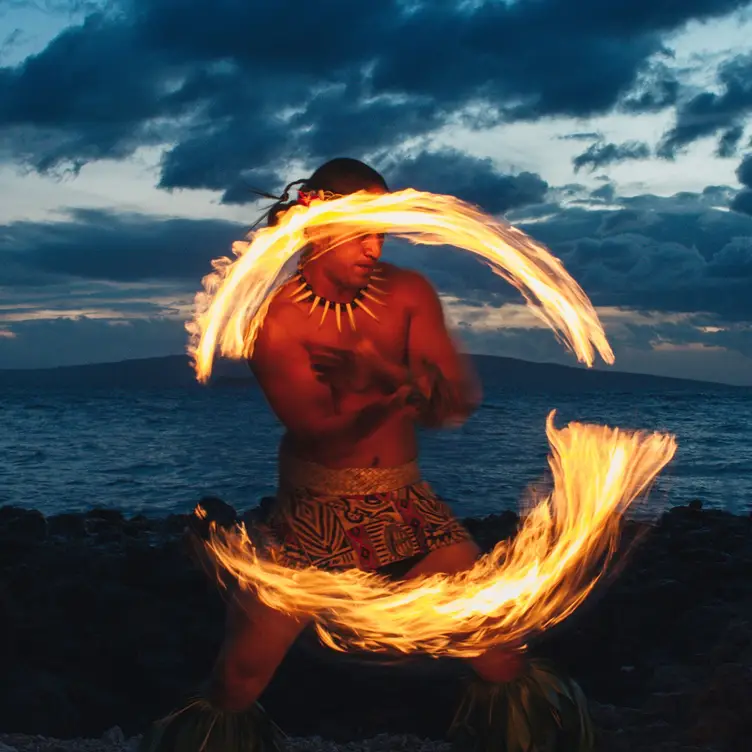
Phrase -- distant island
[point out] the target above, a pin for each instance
(174, 371)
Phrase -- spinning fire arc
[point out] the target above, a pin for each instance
(568, 536)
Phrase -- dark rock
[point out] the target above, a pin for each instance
(115, 627)
(41, 696)
(113, 516)
(721, 711)
(671, 706)
(106, 524)
(670, 678)
(67, 525)
(19, 524)
(175, 524)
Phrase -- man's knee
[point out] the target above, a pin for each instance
(457, 557)
(245, 665)
(236, 684)
(499, 665)
(256, 641)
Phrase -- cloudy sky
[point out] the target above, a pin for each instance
(617, 132)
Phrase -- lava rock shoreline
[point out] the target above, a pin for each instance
(107, 621)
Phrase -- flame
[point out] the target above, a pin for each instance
(231, 308)
(568, 537)
(519, 589)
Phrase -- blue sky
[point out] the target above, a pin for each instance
(616, 132)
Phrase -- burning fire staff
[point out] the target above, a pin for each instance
(353, 354)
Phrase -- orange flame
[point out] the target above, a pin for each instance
(521, 588)
(231, 308)
(568, 537)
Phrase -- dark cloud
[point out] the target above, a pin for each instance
(60, 7)
(626, 220)
(80, 339)
(692, 330)
(601, 154)
(729, 141)
(598, 51)
(693, 351)
(709, 113)
(470, 178)
(742, 202)
(94, 244)
(536, 345)
(676, 255)
(246, 187)
(254, 88)
(718, 196)
(581, 136)
(605, 193)
(655, 89)
(744, 171)
(656, 252)
(71, 296)
(219, 158)
(572, 190)
(85, 97)
(680, 255)
(733, 261)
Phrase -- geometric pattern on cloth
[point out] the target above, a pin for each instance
(306, 528)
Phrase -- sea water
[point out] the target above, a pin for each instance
(156, 451)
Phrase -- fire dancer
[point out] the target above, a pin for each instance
(354, 354)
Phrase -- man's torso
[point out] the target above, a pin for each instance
(394, 442)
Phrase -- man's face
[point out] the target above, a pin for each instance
(351, 263)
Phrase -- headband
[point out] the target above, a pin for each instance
(305, 197)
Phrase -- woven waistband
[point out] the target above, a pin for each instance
(295, 473)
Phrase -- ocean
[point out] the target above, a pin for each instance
(157, 451)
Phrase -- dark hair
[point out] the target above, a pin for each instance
(344, 175)
(341, 175)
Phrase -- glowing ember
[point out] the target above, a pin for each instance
(520, 588)
(236, 296)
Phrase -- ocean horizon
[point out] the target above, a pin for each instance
(156, 450)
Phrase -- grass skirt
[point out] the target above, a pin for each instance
(539, 711)
(199, 727)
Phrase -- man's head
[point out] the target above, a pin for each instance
(348, 264)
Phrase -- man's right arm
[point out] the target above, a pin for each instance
(304, 403)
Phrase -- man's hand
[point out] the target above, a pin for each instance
(340, 369)
(356, 369)
(441, 399)
(410, 401)
(350, 373)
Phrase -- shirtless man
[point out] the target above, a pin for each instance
(352, 399)
(350, 390)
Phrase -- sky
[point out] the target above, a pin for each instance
(617, 133)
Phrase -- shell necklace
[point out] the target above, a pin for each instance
(371, 292)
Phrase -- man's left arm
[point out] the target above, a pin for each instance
(445, 377)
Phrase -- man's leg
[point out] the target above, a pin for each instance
(495, 712)
(227, 718)
(257, 639)
(498, 664)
